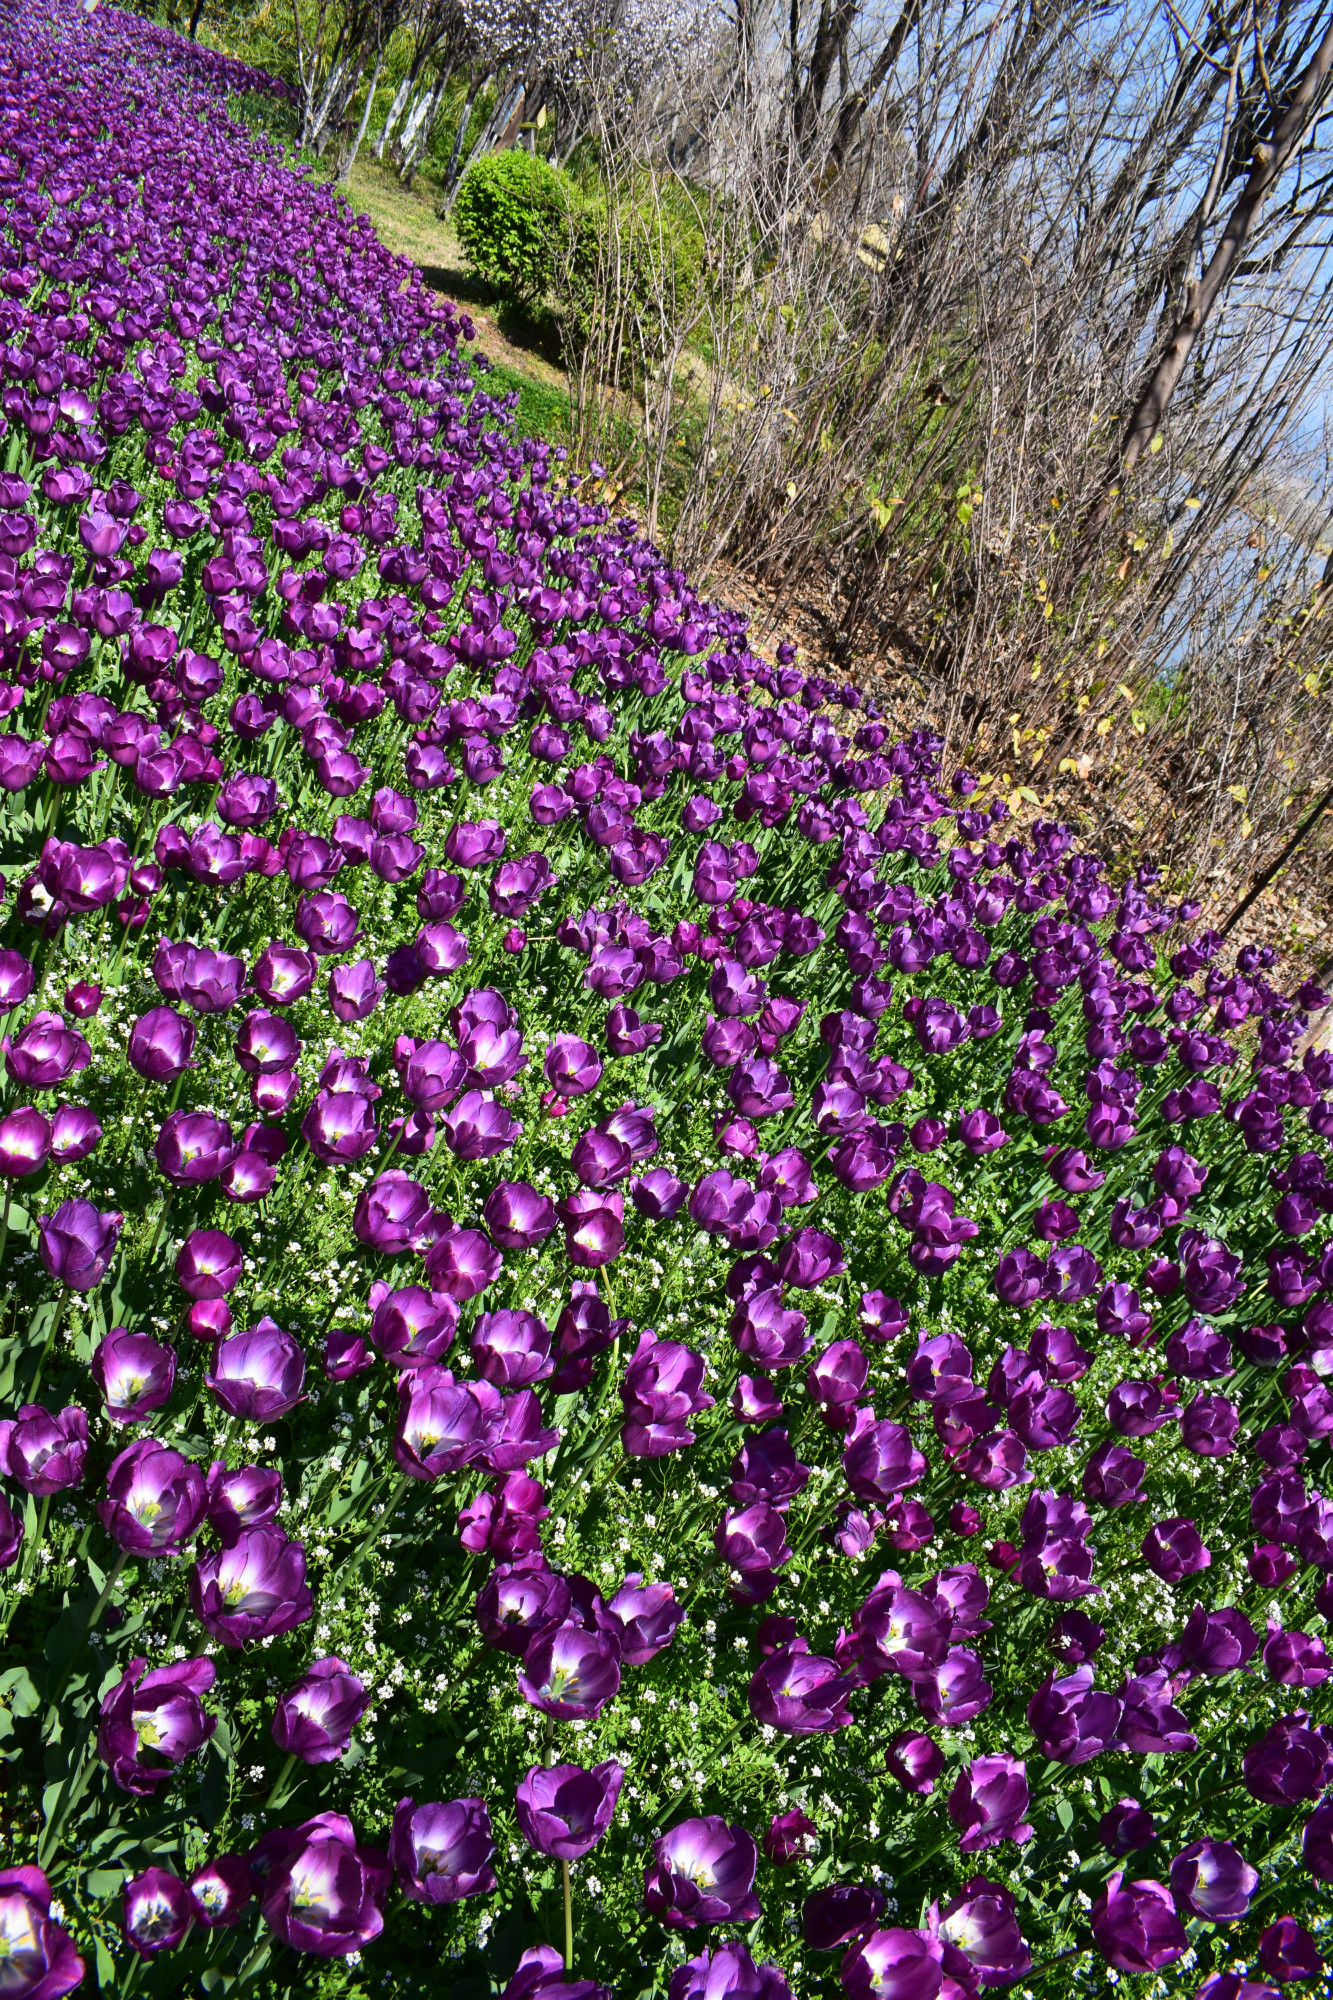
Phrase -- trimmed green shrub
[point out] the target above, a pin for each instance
(511, 214)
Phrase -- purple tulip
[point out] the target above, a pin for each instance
(76, 1244)
(788, 1837)
(222, 1890)
(283, 974)
(161, 1044)
(44, 1454)
(1150, 1722)
(11, 1533)
(660, 1392)
(157, 1912)
(442, 1853)
(193, 1147)
(321, 1891)
(982, 1923)
(880, 1460)
(767, 1332)
(882, 1318)
(257, 1375)
(1135, 1926)
(519, 1602)
(439, 1426)
(571, 1067)
(45, 1053)
(901, 1964)
(1071, 1721)
(569, 1673)
(647, 1617)
(208, 1264)
(462, 1263)
(1125, 1827)
(840, 1913)
(563, 1810)
(17, 979)
(512, 1349)
(1211, 1879)
(1317, 1842)
(702, 1872)
(1137, 1409)
(808, 1258)
(800, 1694)
(1213, 1642)
(752, 1539)
(988, 1802)
(1297, 1659)
(755, 1401)
(1292, 1761)
(134, 1375)
(75, 1132)
(314, 1720)
(354, 990)
(1113, 1476)
(1173, 1549)
(476, 1128)
(952, 1693)
(155, 1499)
(412, 1327)
(245, 1498)
(1287, 1952)
(147, 1716)
(727, 1970)
(506, 1524)
(658, 1195)
(25, 1143)
(252, 1590)
(517, 1217)
(327, 923)
(915, 1761)
(1208, 1426)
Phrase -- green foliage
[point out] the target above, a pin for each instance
(511, 215)
(541, 411)
(639, 255)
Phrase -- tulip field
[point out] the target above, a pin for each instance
(651, 1344)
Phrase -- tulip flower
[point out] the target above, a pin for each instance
(135, 1375)
(1135, 1927)
(44, 1454)
(322, 1891)
(149, 1715)
(442, 1853)
(158, 1911)
(253, 1590)
(40, 1951)
(702, 1872)
(563, 1810)
(222, 1891)
(569, 1673)
(314, 1720)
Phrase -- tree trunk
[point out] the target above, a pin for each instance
(451, 173)
(418, 126)
(349, 158)
(1270, 158)
(394, 113)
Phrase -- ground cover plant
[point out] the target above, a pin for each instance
(643, 1351)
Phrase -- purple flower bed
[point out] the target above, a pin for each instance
(642, 1352)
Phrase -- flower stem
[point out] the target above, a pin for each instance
(4, 1219)
(46, 1351)
(275, 1797)
(569, 1922)
(354, 1562)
